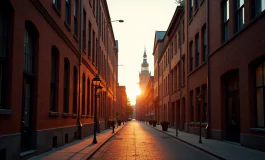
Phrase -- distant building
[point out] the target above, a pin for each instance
(121, 104)
(144, 77)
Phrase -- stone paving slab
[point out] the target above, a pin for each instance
(79, 149)
(220, 149)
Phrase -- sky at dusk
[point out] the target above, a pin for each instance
(141, 19)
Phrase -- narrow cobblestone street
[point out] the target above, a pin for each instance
(138, 141)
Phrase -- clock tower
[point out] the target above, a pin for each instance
(144, 75)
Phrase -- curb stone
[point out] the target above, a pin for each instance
(204, 150)
(89, 155)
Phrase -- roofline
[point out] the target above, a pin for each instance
(174, 18)
(108, 18)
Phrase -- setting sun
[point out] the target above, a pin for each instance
(138, 91)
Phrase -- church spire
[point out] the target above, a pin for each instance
(145, 65)
(145, 56)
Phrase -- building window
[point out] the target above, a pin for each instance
(28, 52)
(240, 14)
(4, 25)
(83, 94)
(54, 78)
(191, 107)
(67, 11)
(191, 9)
(96, 52)
(93, 47)
(89, 40)
(191, 56)
(75, 17)
(197, 53)
(75, 91)
(66, 85)
(196, 4)
(84, 29)
(260, 90)
(57, 4)
(204, 116)
(225, 10)
(204, 43)
(259, 6)
(94, 7)
(183, 71)
(88, 96)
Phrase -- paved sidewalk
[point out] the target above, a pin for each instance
(220, 149)
(79, 149)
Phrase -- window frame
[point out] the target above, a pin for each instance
(225, 23)
(258, 3)
(57, 4)
(68, 12)
(76, 17)
(204, 43)
(83, 111)
(191, 55)
(84, 29)
(54, 79)
(190, 9)
(4, 60)
(75, 81)
(263, 89)
(197, 51)
(66, 85)
(88, 97)
(240, 15)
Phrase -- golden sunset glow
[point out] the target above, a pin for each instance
(138, 91)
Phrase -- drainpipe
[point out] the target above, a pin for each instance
(80, 63)
(208, 66)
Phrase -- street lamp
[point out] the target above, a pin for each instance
(200, 99)
(96, 82)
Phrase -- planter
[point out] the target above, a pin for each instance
(154, 123)
(119, 122)
(150, 122)
(164, 125)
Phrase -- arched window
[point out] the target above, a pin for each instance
(66, 85)
(88, 96)
(6, 13)
(83, 94)
(260, 90)
(54, 79)
(75, 91)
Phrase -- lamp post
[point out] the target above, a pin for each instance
(96, 82)
(200, 98)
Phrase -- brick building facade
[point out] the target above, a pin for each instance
(121, 104)
(222, 52)
(49, 54)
